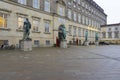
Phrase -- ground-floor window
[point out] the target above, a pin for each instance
(109, 34)
(47, 42)
(116, 34)
(36, 42)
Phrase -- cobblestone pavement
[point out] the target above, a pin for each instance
(74, 63)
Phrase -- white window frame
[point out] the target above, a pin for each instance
(22, 2)
(36, 24)
(69, 13)
(4, 19)
(36, 4)
(47, 5)
(47, 26)
(21, 22)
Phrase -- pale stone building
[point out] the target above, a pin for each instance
(111, 33)
(46, 16)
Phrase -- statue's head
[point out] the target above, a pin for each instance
(27, 19)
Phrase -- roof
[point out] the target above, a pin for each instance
(110, 25)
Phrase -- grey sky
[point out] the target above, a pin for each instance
(112, 9)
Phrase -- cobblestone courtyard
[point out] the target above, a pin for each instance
(74, 63)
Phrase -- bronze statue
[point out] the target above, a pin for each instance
(96, 37)
(26, 29)
(62, 33)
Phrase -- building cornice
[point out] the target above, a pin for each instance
(110, 25)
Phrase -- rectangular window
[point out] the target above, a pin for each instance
(3, 20)
(47, 42)
(36, 4)
(75, 16)
(21, 20)
(61, 10)
(79, 18)
(79, 1)
(36, 24)
(37, 43)
(79, 32)
(47, 5)
(116, 34)
(69, 14)
(22, 2)
(70, 30)
(109, 34)
(83, 19)
(75, 31)
(47, 26)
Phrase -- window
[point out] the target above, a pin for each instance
(21, 20)
(70, 30)
(36, 42)
(103, 34)
(47, 42)
(36, 4)
(74, 31)
(83, 19)
(74, 0)
(116, 28)
(47, 5)
(109, 34)
(75, 16)
(116, 34)
(109, 29)
(83, 4)
(3, 20)
(87, 21)
(69, 14)
(70, 1)
(36, 24)
(61, 10)
(79, 18)
(79, 32)
(47, 26)
(78, 1)
(74, 5)
(22, 2)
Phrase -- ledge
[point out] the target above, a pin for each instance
(36, 32)
(19, 30)
(47, 32)
(70, 35)
(5, 29)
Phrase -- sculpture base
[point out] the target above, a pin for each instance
(86, 43)
(26, 45)
(96, 43)
(63, 44)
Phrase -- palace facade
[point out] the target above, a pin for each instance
(46, 16)
(111, 33)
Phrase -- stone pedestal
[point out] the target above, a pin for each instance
(26, 45)
(86, 43)
(63, 44)
(96, 43)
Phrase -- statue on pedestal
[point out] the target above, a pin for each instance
(26, 29)
(86, 36)
(96, 37)
(62, 33)
(62, 36)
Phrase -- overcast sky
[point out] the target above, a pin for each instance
(112, 9)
